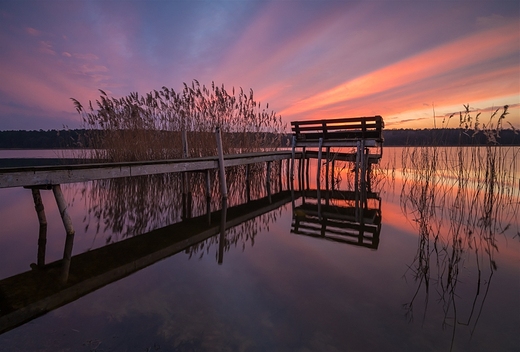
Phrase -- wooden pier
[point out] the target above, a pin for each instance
(363, 134)
(49, 286)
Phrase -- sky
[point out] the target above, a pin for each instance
(407, 61)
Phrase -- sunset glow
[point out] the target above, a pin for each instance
(404, 60)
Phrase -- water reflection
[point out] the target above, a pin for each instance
(352, 217)
(459, 221)
(28, 295)
(126, 207)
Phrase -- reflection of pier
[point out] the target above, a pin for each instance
(350, 222)
(28, 295)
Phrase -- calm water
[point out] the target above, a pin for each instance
(437, 275)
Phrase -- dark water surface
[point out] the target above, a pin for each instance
(274, 290)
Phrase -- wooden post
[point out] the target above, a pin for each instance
(318, 186)
(221, 167)
(307, 173)
(327, 169)
(67, 222)
(300, 170)
(292, 160)
(363, 165)
(42, 236)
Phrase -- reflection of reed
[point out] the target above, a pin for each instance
(461, 199)
(131, 206)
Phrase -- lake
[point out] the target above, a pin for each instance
(430, 262)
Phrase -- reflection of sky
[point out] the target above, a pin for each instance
(285, 292)
(307, 59)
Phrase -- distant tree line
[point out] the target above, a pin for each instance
(58, 139)
(450, 137)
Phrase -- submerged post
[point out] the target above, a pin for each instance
(67, 222)
(222, 169)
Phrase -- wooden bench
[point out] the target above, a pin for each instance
(339, 132)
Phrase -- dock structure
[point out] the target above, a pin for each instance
(363, 134)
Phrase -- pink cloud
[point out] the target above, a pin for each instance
(33, 32)
(453, 56)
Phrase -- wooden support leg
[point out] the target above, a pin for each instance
(67, 222)
(42, 236)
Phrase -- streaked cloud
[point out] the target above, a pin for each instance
(306, 59)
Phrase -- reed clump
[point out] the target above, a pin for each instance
(151, 126)
(461, 200)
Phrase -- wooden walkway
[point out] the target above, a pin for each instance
(47, 176)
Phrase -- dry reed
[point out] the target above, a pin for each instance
(150, 126)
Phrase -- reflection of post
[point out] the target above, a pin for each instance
(280, 183)
(222, 239)
(67, 222)
(42, 236)
(248, 183)
(208, 196)
(268, 181)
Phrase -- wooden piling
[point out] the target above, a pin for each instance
(42, 220)
(221, 167)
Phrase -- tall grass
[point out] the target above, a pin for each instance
(461, 199)
(150, 126)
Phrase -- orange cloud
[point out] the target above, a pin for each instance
(443, 60)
